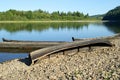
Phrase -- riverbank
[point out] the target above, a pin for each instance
(53, 21)
(99, 63)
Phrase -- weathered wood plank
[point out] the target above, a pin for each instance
(38, 54)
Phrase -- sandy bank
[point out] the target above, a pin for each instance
(100, 63)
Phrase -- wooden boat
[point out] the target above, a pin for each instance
(7, 40)
(38, 54)
(28, 45)
(107, 38)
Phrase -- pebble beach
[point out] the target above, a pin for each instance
(100, 63)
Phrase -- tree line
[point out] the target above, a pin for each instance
(113, 14)
(41, 15)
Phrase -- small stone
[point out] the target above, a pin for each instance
(53, 78)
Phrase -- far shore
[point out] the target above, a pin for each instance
(51, 21)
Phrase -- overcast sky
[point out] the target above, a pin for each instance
(91, 7)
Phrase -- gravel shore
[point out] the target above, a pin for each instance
(101, 63)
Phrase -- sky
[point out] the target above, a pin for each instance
(92, 7)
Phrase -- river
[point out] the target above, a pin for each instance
(54, 31)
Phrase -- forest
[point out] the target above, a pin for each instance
(15, 15)
(113, 14)
(40, 15)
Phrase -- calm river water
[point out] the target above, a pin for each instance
(61, 31)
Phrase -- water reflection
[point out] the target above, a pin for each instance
(14, 27)
(113, 26)
(56, 31)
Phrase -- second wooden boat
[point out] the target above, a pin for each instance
(8, 40)
(38, 54)
(28, 45)
(107, 38)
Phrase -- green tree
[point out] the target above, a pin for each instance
(41, 15)
(113, 14)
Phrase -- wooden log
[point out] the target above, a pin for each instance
(38, 54)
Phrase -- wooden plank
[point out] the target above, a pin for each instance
(38, 54)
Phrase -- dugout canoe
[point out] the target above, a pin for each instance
(28, 45)
(39, 54)
(8, 40)
(107, 38)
